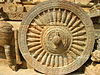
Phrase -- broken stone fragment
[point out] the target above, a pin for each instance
(93, 69)
(96, 56)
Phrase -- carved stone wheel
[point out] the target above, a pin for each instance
(56, 37)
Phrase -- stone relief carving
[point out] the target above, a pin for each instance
(96, 56)
(56, 35)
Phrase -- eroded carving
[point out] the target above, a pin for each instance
(55, 37)
(93, 69)
(58, 36)
(5, 41)
(6, 33)
(96, 56)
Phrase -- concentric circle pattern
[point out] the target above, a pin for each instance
(56, 37)
(42, 37)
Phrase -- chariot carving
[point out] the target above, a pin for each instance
(55, 37)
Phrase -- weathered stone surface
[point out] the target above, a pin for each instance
(1, 0)
(96, 56)
(5, 32)
(52, 38)
(95, 11)
(80, 1)
(5, 41)
(13, 11)
(93, 69)
(55, 34)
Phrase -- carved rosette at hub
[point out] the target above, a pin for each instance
(55, 41)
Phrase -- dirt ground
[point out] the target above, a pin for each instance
(5, 70)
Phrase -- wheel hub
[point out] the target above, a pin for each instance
(56, 39)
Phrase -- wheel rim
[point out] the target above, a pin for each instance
(56, 37)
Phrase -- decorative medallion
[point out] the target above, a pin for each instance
(56, 36)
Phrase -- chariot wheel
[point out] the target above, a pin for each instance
(56, 37)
